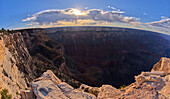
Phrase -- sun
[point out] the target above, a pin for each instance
(77, 12)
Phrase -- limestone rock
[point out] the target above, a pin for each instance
(155, 76)
(15, 62)
(27, 94)
(66, 88)
(162, 65)
(71, 93)
(148, 85)
(157, 73)
(49, 75)
(80, 95)
(89, 89)
(46, 89)
(108, 92)
(166, 90)
(50, 87)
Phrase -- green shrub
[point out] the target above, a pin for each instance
(168, 73)
(122, 86)
(17, 93)
(4, 94)
(5, 73)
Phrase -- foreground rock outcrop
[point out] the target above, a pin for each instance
(147, 85)
(48, 86)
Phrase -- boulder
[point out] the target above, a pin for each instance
(148, 85)
(48, 86)
(27, 94)
(80, 95)
(162, 65)
(46, 89)
(166, 90)
(158, 73)
(49, 75)
(155, 76)
(65, 88)
(108, 92)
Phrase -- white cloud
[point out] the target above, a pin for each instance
(163, 23)
(113, 8)
(68, 15)
(109, 6)
(30, 18)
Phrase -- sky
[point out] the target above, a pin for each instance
(143, 14)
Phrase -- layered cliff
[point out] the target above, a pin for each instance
(15, 64)
(47, 55)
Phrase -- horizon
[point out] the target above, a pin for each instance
(143, 15)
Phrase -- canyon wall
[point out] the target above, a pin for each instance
(15, 64)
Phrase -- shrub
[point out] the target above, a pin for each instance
(168, 73)
(5, 73)
(122, 86)
(17, 93)
(4, 94)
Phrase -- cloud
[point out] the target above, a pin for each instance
(163, 23)
(73, 15)
(111, 7)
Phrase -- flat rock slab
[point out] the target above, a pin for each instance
(46, 89)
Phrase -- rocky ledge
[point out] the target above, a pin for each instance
(48, 86)
(153, 85)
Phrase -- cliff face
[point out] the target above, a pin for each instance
(15, 64)
(162, 65)
(47, 55)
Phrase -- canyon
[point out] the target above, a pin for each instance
(85, 62)
(108, 55)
